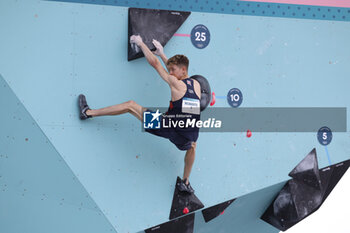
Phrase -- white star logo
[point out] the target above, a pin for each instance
(156, 115)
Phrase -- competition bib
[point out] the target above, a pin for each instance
(190, 105)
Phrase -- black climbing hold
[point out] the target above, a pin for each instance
(184, 224)
(307, 171)
(214, 211)
(305, 193)
(152, 24)
(330, 176)
(182, 200)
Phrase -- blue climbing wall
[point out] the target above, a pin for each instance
(53, 51)
(38, 191)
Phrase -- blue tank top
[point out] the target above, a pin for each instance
(188, 105)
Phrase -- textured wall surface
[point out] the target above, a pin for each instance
(38, 191)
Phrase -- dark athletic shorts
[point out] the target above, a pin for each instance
(180, 141)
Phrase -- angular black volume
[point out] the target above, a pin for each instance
(214, 211)
(182, 200)
(184, 224)
(307, 171)
(152, 24)
(305, 193)
(337, 172)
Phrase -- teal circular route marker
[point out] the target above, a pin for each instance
(200, 36)
(324, 136)
(234, 97)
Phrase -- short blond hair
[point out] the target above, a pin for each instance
(179, 60)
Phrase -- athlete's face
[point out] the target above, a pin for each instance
(178, 71)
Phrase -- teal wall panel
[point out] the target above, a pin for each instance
(38, 191)
(243, 215)
(259, 8)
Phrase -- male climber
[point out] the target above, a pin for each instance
(185, 92)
